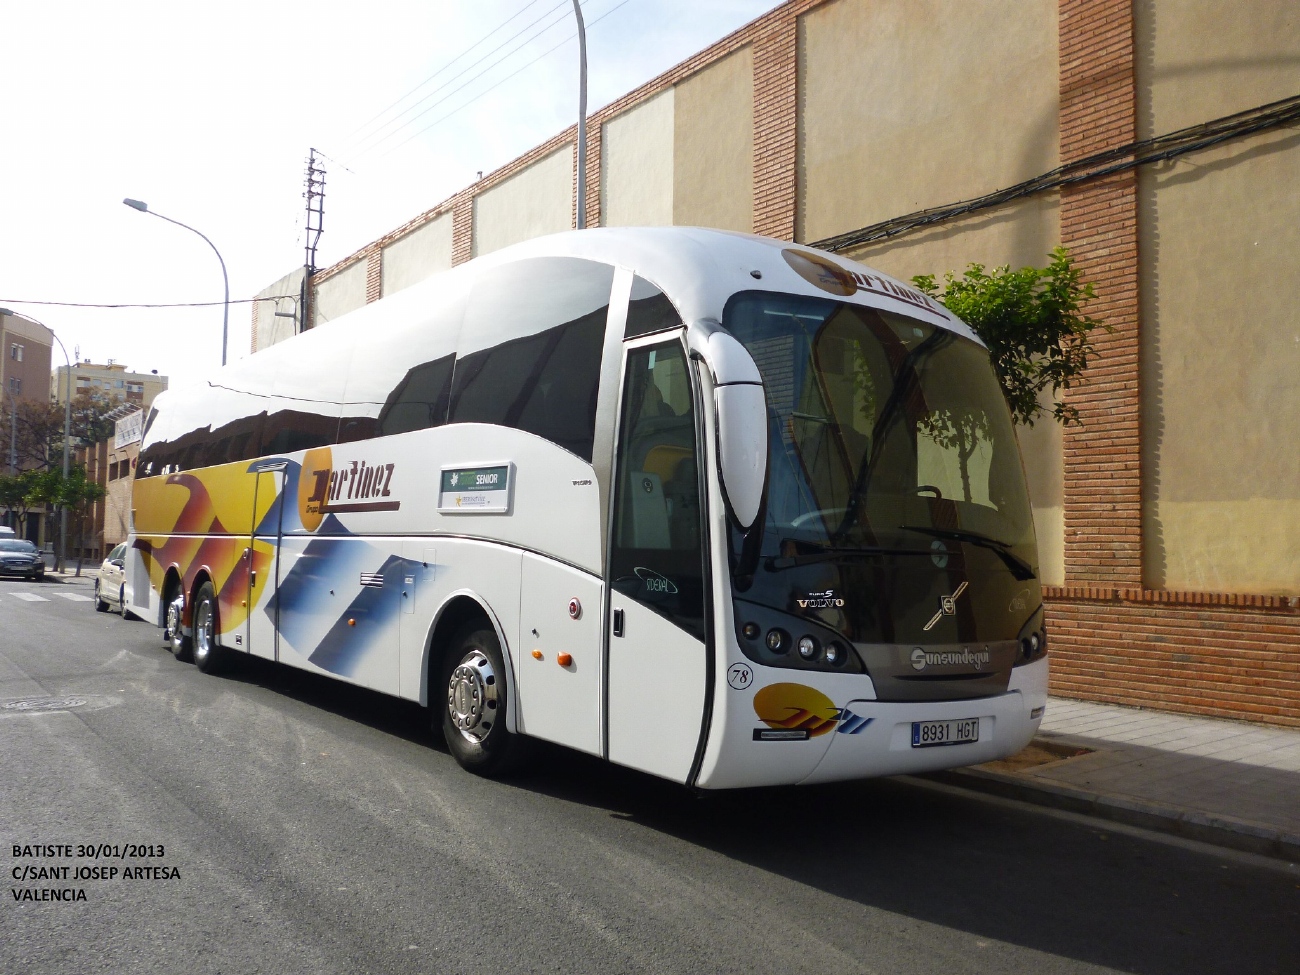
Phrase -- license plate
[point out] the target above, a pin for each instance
(926, 734)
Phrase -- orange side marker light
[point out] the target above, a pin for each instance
(564, 659)
(537, 655)
(352, 622)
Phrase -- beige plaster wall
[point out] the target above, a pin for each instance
(1218, 236)
(1017, 235)
(713, 146)
(636, 165)
(340, 294)
(908, 104)
(271, 329)
(1203, 59)
(535, 201)
(420, 254)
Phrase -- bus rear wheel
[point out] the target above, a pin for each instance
(209, 657)
(173, 625)
(473, 704)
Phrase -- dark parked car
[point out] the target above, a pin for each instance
(21, 558)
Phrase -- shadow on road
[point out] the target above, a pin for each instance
(1008, 874)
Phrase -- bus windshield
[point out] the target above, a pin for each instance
(885, 433)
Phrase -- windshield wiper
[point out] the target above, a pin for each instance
(1020, 569)
(775, 563)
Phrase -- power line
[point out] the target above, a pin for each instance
(384, 111)
(1285, 112)
(171, 304)
(468, 81)
(498, 84)
(362, 148)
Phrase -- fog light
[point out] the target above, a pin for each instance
(1035, 642)
(835, 654)
(778, 641)
(808, 647)
(751, 631)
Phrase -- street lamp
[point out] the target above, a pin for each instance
(67, 437)
(225, 307)
(582, 117)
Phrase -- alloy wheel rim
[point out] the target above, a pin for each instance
(472, 696)
(174, 621)
(203, 630)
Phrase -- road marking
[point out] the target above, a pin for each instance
(30, 597)
(76, 597)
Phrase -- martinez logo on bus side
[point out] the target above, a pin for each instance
(357, 486)
(824, 273)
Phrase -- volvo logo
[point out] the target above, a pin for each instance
(821, 600)
(947, 607)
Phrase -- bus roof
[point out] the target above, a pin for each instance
(700, 269)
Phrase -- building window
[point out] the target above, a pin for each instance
(16, 352)
(15, 385)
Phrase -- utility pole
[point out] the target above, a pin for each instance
(315, 197)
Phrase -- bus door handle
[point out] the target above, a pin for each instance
(618, 622)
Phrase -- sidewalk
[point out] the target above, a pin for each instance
(1225, 782)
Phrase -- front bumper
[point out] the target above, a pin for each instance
(884, 745)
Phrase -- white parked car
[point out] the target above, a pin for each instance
(110, 582)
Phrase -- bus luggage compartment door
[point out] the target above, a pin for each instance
(559, 656)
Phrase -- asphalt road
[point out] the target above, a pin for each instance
(306, 826)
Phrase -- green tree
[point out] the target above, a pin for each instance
(77, 493)
(1033, 323)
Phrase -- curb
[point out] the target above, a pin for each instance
(1193, 824)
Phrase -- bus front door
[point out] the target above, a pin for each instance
(263, 551)
(657, 661)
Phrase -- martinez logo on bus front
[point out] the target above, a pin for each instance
(785, 488)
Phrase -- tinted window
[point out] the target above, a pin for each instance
(420, 399)
(542, 373)
(649, 310)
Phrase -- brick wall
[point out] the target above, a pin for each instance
(374, 275)
(1103, 487)
(776, 120)
(1218, 654)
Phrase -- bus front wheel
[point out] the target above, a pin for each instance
(473, 696)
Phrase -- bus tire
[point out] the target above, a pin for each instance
(471, 701)
(209, 657)
(173, 630)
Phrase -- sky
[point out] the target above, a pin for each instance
(207, 114)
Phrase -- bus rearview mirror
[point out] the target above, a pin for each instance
(742, 447)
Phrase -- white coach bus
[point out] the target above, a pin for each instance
(724, 509)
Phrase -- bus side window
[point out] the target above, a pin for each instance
(656, 557)
(420, 399)
(546, 381)
(649, 310)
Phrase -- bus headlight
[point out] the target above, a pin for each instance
(778, 641)
(808, 647)
(835, 654)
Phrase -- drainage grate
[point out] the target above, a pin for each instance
(33, 704)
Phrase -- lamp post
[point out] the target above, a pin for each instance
(582, 117)
(67, 437)
(225, 306)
